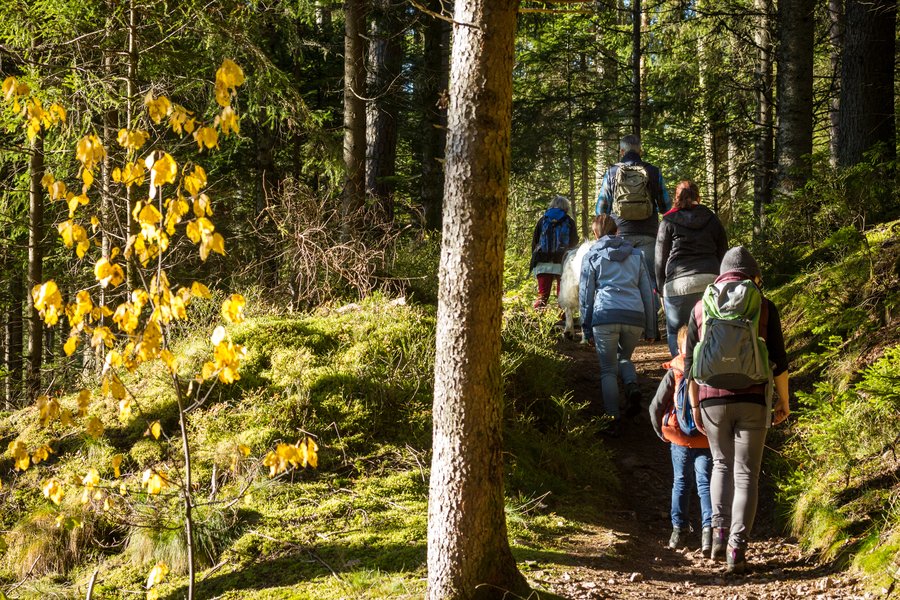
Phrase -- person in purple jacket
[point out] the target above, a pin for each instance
(736, 422)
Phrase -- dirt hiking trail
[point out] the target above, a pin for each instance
(627, 557)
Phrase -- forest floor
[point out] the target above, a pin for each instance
(626, 556)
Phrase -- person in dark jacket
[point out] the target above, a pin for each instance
(616, 306)
(736, 422)
(641, 233)
(547, 266)
(689, 248)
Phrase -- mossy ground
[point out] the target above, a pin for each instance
(359, 379)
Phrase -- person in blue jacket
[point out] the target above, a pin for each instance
(616, 305)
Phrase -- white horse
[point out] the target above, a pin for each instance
(568, 285)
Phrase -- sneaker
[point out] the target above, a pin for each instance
(634, 398)
(735, 560)
(678, 538)
(706, 535)
(719, 543)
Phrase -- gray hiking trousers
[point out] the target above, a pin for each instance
(737, 436)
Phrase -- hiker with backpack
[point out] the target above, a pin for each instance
(736, 359)
(634, 193)
(689, 248)
(671, 418)
(616, 306)
(554, 234)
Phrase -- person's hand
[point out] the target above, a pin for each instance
(698, 419)
(782, 410)
(588, 341)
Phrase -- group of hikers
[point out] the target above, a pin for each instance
(728, 360)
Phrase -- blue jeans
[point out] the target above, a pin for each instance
(647, 245)
(678, 313)
(615, 343)
(690, 465)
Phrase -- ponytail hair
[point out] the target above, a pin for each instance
(686, 194)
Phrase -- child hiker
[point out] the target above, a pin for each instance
(691, 457)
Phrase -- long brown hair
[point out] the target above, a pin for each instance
(685, 195)
(603, 224)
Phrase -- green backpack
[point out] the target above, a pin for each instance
(731, 355)
(631, 193)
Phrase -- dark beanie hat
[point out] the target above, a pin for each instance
(740, 259)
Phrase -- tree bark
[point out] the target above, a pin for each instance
(795, 93)
(131, 91)
(433, 82)
(14, 335)
(35, 264)
(468, 551)
(354, 115)
(835, 38)
(709, 146)
(867, 80)
(636, 67)
(385, 58)
(763, 151)
(584, 160)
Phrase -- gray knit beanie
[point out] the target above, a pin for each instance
(740, 259)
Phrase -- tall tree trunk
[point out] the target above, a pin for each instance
(763, 151)
(35, 264)
(867, 79)
(636, 67)
(795, 92)
(383, 111)
(705, 54)
(433, 82)
(354, 115)
(584, 160)
(131, 91)
(14, 335)
(836, 41)
(735, 181)
(468, 550)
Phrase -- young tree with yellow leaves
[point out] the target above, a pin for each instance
(137, 329)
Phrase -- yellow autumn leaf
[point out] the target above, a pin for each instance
(41, 454)
(243, 449)
(157, 574)
(206, 137)
(71, 345)
(94, 427)
(48, 409)
(125, 409)
(91, 479)
(53, 490)
(158, 108)
(47, 301)
(169, 360)
(198, 290)
(84, 401)
(87, 178)
(162, 170)
(155, 430)
(116, 465)
(89, 151)
(195, 181)
(228, 121)
(19, 452)
(233, 308)
(108, 273)
(153, 481)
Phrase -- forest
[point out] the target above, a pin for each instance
(267, 311)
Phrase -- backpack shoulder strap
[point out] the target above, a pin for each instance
(763, 318)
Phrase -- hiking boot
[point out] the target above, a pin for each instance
(719, 543)
(634, 398)
(678, 538)
(613, 429)
(735, 560)
(706, 535)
